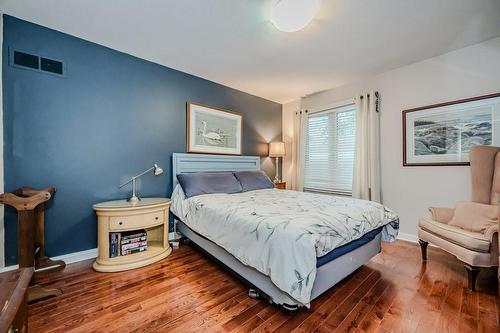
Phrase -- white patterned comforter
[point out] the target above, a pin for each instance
(281, 233)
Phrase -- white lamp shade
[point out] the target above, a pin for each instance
(157, 170)
(276, 149)
(293, 15)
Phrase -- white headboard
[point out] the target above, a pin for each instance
(184, 163)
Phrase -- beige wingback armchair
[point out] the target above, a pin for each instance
(470, 230)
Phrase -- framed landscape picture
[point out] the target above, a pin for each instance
(443, 134)
(213, 131)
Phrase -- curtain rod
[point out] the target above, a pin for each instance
(377, 100)
(377, 103)
(368, 95)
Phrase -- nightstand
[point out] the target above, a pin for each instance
(150, 214)
(280, 185)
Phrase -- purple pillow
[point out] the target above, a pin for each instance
(253, 180)
(197, 183)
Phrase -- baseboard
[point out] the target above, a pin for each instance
(408, 237)
(174, 236)
(411, 238)
(68, 258)
(92, 253)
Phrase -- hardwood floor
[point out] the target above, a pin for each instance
(188, 292)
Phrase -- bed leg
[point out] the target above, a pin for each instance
(289, 308)
(253, 294)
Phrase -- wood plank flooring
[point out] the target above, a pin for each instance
(188, 292)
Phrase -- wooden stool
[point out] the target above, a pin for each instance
(29, 204)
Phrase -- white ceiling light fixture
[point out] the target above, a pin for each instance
(293, 15)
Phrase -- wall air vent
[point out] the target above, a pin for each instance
(37, 63)
(26, 60)
(52, 66)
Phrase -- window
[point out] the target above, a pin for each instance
(329, 151)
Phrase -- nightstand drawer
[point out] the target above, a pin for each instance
(136, 221)
(280, 185)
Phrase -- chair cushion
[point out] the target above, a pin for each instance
(442, 214)
(474, 216)
(474, 241)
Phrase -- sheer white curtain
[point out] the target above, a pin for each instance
(366, 173)
(300, 132)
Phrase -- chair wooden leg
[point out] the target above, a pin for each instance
(423, 247)
(37, 292)
(472, 272)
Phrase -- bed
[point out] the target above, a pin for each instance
(289, 246)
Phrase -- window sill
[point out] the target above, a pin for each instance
(331, 192)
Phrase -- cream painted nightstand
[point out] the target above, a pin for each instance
(150, 214)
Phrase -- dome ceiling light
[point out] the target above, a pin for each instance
(293, 15)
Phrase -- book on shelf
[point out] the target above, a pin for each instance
(134, 250)
(133, 245)
(126, 235)
(114, 244)
(133, 240)
(127, 242)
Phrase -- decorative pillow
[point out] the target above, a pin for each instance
(474, 216)
(253, 180)
(197, 183)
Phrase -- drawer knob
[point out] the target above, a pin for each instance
(156, 218)
(120, 223)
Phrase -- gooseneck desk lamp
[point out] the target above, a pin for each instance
(156, 171)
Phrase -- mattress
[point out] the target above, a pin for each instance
(279, 233)
(344, 249)
(339, 251)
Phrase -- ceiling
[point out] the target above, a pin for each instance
(233, 43)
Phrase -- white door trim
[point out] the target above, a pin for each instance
(2, 232)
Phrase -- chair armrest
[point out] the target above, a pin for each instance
(441, 214)
(491, 232)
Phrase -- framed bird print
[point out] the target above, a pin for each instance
(213, 131)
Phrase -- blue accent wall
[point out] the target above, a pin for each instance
(111, 116)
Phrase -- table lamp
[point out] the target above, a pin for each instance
(276, 150)
(156, 171)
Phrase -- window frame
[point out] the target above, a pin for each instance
(331, 108)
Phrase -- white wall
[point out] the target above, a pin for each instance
(2, 235)
(467, 72)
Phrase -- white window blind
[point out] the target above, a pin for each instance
(329, 151)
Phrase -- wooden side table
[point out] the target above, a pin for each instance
(150, 214)
(29, 204)
(280, 185)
